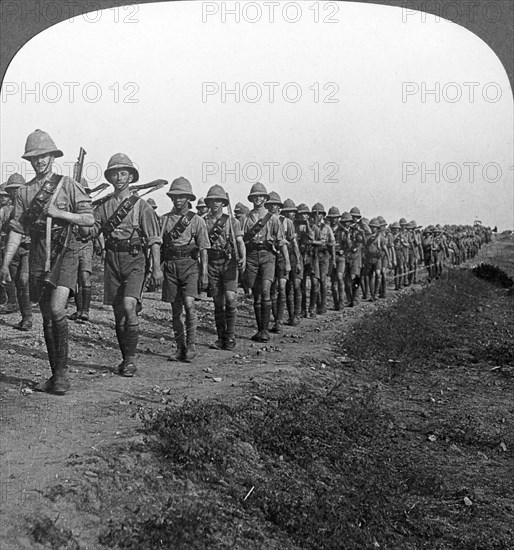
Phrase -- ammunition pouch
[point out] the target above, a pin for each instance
(253, 247)
(133, 247)
(219, 254)
(179, 252)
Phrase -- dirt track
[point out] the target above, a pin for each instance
(44, 435)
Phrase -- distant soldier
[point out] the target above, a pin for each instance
(279, 286)
(19, 268)
(374, 248)
(404, 232)
(357, 233)
(201, 208)
(388, 259)
(83, 288)
(128, 225)
(294, 282)
(324, 246)
(184, 240)
(263, 234)
(7, 291)
(439, 250)
(46, 209)
(240, 211)
(305, 233)
(337, 269)
(223, 232)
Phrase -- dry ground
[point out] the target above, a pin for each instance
(71, 464)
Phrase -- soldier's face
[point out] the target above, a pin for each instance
(273, 208)
(121, 179)
(42, 164)
(179, 201)
(216, 206)
(4, 199)
(290, 215)
(258, 200)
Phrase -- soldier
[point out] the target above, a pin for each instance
(374, 248)
(337, 270)
(306, 233)
(404, 240)
(344, 242)
(357, 233)
(184, 240)
(294, 282)
(19, 268)
(47, 208)
(324, 247)
(240, 210)
(128, 225)
(439, 250)
(387, 260)
(278, 288)
(8, 291)
(262, 232)
(151, 285)
(201, 208)
(224, 263)
(153, 204)
(83, 287)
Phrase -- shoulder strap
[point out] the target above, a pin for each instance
(119, 215)
(40, 200)
(217, 228)
(250, 234)
(182, 224)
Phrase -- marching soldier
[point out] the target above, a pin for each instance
(374, 248)
(262, 232)
(356, 238)
(8, 291)
(324, 247)
(279, 286)
(387, 259)
(240, 211)
(201, 208)
(306, 233)
(83, 288)
(294, 282)
(343, 239)
(47, 208)
(184, 239)
(404, 232)
(128, 225)
(19, 268)
(224, 263)
(337, 270)
(399, 250)
(439, 250)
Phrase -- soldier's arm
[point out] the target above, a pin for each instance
(13, 244)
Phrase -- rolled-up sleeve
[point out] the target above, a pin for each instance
(201, 234)
(149, 223)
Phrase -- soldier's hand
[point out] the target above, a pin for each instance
(51, 210)
(157, 275)
(5, 276)
(241, 265)
(204, 282)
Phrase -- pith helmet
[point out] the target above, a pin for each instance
(395, 225)
(274, 198)
(374, 222)
(40, 143)
(121, 161)
(289, 206)
(333, 212)
(216, 193)
(241, 208)
(14, 181)
(303, 209)
(319, 208)
(257, 190)
(346, 217)
(3, 191)
(403, 221)
(201, 203)
(365, 221)
(381, 221)
(355, 212)
(181, 186)
(438, 229)
(152, 203)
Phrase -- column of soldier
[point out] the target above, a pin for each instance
(287, 255)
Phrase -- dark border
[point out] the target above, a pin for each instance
(478, 16)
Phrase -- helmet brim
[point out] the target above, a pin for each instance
(251, 195)
(38, 152)
(190, 196)
(131, 169)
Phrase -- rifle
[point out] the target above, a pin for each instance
(233, 234)
(156, 187)
(97, 189)
(79, 165)
(155, 184)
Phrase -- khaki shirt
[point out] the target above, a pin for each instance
(272, 232)
(224, 237)
(195, 232)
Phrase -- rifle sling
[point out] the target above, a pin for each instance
(217, 228)
(250, 234)
(119, 215)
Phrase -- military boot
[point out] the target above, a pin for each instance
(219, 318)
(86, 303)
(131, 337)
(277, 327)
(191, 321)
(25, 309)
(313, 299)
(61, 384)
(257, 309)
(48, 385)
(180, 338)
(266, 316)
(230, 314)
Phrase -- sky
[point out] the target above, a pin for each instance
(346, 104)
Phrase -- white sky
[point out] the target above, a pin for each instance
(165, 55)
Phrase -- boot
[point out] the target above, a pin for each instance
(191, 350)
(11, 306)
(230, 315)
(297, 306)
(25, 309)
(257, 309)
(86, 302)
(120, 336)
(131, 336)
(47, 386)
(277, 327)
(180, 338)
(219, 318)
(290, 303)
(78, 304)
(313, 299)
(61, 383)
(266, 315)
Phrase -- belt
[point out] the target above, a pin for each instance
(178, 253)
(257, 246)
(218, 254)
(122, 245)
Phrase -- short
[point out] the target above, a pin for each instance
(180, 279)
(340, 267)
(85, 253)
(354, 264)
(373, 265)
(63, 272)
(280, 268)
(324, 259)
(296, 267)
(124, 276)
(222, 276)
(260, 266)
